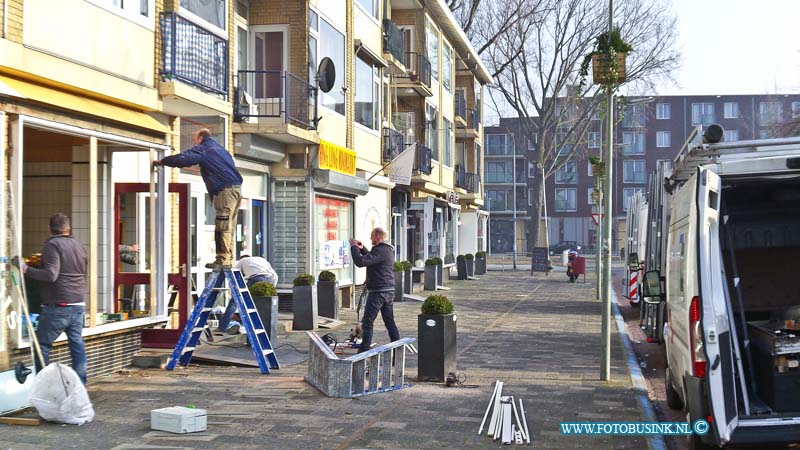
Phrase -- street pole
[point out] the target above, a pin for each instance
(514, 199)
(598, 236)
(605, 360)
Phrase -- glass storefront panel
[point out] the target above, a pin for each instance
(333, 223)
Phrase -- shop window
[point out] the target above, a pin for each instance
(333, 219)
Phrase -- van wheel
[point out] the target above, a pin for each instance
(673, 398)
(694, 441)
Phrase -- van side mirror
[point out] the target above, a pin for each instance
(633, 261)
(651, 286)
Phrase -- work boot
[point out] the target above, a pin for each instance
(218, 264)
(233, 329)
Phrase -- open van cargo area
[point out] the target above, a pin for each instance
(760, 234)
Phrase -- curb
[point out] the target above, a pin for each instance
(637, 378)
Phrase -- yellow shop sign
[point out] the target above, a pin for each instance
(336, 158)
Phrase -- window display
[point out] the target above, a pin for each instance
(333, 229)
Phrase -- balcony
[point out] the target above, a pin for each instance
(461, 109)
(275, 103)
(195, 68)
(472, 125)
(423, 162)
(393, 144)
(394, 45)
(417, 79)
(466, 180)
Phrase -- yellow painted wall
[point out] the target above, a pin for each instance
(367, 145)
(368, 29)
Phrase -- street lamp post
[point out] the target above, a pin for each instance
(514, 200)
(605, 328)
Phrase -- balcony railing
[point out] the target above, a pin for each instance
(474, 118)
(423, 162)
(394, 41)
(461, 105)
(272, 93)
(419, 68)
(466, 180)
(194, 55)
(393, 144)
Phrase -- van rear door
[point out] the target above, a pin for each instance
(718, 339)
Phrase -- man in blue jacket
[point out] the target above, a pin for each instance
(223, 183)
(379, 262)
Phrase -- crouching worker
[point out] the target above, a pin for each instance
(379, 262)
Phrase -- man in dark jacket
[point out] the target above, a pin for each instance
(223, 183)
(379, 262)
(62, 274)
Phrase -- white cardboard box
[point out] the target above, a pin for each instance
(177, 419)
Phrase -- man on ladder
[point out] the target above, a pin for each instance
(224, 183)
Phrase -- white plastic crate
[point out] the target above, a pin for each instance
(177, 419)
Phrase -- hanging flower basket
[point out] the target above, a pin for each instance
(599, 169)
(608, 70)
(597, 195)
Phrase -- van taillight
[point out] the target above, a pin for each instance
(696, 339)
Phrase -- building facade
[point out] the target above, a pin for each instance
(83, 112)
(651, 130)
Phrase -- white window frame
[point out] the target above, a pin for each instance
(795, 110)
(704, 106)
(377, 4)
(593, 143)
(633, 143)
(567, 190)
(771, 121)
(728, 135)
(562, 172)
(589, 169)
(663, 111)
(130, 11)
(221, 32)
(730, 110)
(317, 34)
(533, 141)
(626, 199)
(589, 196)
(660, 138)
(530, 197)
(447, 142)
(377, 103)
(431, 27)
(633, 171)
(531, 169)
(447, 68)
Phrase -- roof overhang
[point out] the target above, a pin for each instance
(459, 39)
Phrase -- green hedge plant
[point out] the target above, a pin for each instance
(469, 256)
(431, 262)
(327, 275)
(480, 255)
(263, 289)
(304, 280)
(406, 265)
(460, 258)
(399, 266)
(437, 305)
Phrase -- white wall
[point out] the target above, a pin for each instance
(468, 233)
(372, 210)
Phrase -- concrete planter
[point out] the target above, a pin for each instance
(267, 308)
(329, 298)
(480, 266)
(431, 273)
(437, 346)
(408, 282)
(470, 268)
(304, 307)
(399, 282)
(461, 266)
(440, 274)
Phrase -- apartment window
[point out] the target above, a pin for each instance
(368, 94)
(589, 169)
(135, 10)
(627, 195)
(764, 134)
(532, 141)
(447, 145)
(432, 41)
(567, 173)
(432, 130)
(635, 117)
(663, 111)
(594, 139)
(447, 68)
(731, 110)
(596, 114)
(702, 114)
(795, 110)
(370, 6)
(770, 113)
(666, 163)
(590, 200)
(566, 200)
(498, 171)
(499, 144)
(633, 143)
(633, 171)
(499, 199)
(530, 197)
(731, 135)
(213, 12)
(565, 148)
(663, 139)
(531, 169)
(330, 44)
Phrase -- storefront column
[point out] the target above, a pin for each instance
(93, 226)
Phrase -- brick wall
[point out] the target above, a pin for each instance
(13, 21)
(286, 12)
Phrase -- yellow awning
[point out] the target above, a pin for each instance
(24, 89)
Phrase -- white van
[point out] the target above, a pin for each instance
(732, 334)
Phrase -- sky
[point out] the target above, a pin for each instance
(737, 47)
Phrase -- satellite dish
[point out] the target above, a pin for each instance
(326, 75)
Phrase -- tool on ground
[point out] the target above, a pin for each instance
(355, 332)
(506, 421)
(256, 333)
(458, 380)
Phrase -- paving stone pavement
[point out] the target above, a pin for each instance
(540, 335)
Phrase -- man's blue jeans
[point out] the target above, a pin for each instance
(378, 302)
(225, 322)
(55, 320)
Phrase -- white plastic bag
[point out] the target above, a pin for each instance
(59, 396)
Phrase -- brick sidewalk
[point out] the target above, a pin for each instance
(540, 335)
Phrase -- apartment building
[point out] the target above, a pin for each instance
(85, 110)
(652, 130)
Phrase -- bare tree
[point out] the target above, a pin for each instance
(534, 49)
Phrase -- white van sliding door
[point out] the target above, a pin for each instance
(718, 334)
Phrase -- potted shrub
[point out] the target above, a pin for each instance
(607, 60)
(470, 264)
(304, 303)
(265, 297)
(408, 281)
(461, 266)
(436, 334)
(399, 280)
(431, 274)
(598, 167)
(480, 263)
(439, 271)
(328, 296)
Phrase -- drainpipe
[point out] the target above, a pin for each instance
(5, 17)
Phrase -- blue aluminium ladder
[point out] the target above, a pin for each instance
(256, 333)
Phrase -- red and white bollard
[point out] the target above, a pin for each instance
(633, 288)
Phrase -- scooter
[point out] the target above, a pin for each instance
(570, 272)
